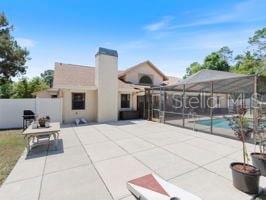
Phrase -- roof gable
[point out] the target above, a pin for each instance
(123, 73)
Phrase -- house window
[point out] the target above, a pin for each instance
(125, 100)
(146, 80)
(78, 101)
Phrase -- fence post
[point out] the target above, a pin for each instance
(211, 109)
(164, 104)
(183, 106)
(255, 110)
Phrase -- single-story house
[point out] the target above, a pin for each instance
(100, 93)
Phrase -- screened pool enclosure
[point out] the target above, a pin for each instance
(205, 101)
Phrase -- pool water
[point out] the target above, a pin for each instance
(219, 123)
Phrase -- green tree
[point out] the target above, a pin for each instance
(12, 56)
(6, 90)
(192, 69)
(214, 61)
(218, 60)
(22, 89)
(37, 84)
(48, 76)
(253, 61)
(226, 53)
(258, 43)
(26, 88)
(249, 63)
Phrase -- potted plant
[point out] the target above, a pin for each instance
(259, 158)
(245, 177)
(42, 121)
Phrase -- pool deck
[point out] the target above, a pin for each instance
(94, 162)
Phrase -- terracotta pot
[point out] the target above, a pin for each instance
(259, 162)
(246, 182)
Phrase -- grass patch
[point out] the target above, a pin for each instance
(12, 144)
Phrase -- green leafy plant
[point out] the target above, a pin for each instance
(260, 136)
(240, 126)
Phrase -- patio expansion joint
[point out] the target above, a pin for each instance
(198, 166)
(132, 154)
(110, 158)
(21, 180)
(124, 197)
(40, 189)
(161, 147)
(216, 142)
(93, 164)
(222, 157)
(62, 170)
(225, 156)
(203, 167)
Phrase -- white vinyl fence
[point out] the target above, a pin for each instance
(11, 110)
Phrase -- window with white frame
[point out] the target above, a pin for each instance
(125, 100)
(78, 101)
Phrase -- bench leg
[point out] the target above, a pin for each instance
(28, 144)
(55, 136)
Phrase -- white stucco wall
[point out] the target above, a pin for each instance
(135, 74)
(11, 110)
(107, 84)
(90, 111)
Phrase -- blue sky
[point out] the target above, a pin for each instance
(170, 33)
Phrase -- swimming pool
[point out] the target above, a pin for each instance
(219, 123)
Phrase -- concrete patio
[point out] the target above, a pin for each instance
(94, 162)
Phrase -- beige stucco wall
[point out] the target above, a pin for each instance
(107, 85)
(90, 111)
(135, 74)
(43, 94)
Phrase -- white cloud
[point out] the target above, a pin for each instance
(245, 11)
(26, 42)
(162, 24)
(215, 19)
(208, 41)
